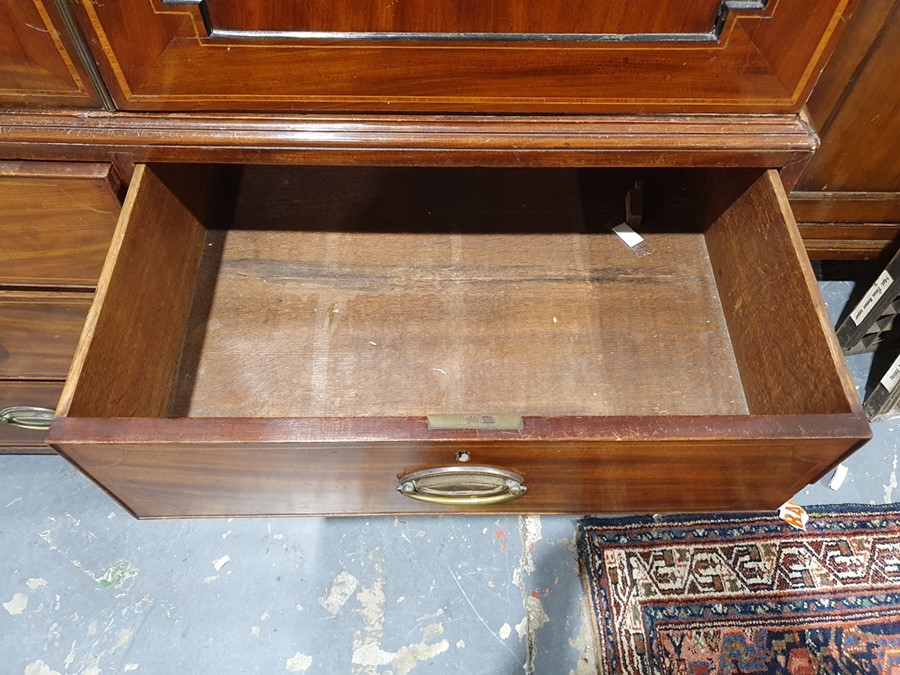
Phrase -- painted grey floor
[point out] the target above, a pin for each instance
(86, 589)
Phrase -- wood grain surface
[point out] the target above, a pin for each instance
(846, 206)
(850, 241)
(208, 479)
(55, 227)
(411, 140)
(856, 105)
(789, 360)
(39, 332)
(128, 352)
(349, 292)
(848, 198)
(38, 63)
(163, 56)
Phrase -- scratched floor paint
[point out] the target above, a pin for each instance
(85, 589)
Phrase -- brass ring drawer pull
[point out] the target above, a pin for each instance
(462, 485)
(27, 417)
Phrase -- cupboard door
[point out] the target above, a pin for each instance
(501, 56)
(38, 62)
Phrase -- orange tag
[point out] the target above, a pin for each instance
(793, 514)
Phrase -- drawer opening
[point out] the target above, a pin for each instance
(307, 292)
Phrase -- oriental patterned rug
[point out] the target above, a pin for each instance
(746, 593)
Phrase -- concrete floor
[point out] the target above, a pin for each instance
(86, 589)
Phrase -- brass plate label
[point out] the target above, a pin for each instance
(495, 422)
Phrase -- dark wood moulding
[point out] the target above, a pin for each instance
(769, 141)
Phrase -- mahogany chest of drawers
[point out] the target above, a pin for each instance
(365, 266)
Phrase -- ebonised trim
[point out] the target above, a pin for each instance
(712, 36)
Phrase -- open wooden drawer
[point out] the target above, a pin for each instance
(273, 340)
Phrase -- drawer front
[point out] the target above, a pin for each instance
(702, 55)
(39, 333)
(39, 65)
(17, 438)
(174, 480)
(56, 221)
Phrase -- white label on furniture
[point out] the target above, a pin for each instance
(629, 236)
(868, 302)
(892, 376)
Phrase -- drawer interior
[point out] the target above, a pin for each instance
(288, 291)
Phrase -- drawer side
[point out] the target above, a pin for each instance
(787, 354)
(142, 297)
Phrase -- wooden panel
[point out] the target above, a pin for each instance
(846, 207)
(848, 197)
(39, 333)
(158, 240)
(38, 394)
(788, 358)
(856, 111)
(848, 225)
(850, 241)
(350, 292)
(56, 222)
(59, 170)
(163, 56)
(657, 464)
(38, 62)
(413, 140)
(874, 233)
(849, 58)
(450, 18)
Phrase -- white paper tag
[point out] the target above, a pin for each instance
(837, 478)
(629, 236)
(892, 376)
(868, 302)
(794, 515)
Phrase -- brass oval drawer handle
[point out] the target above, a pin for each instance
(27, 417)
(462, 485)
